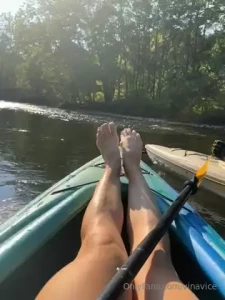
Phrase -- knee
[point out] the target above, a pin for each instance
(107, 244)
(100, 233)
(104, 237)
(101, 239)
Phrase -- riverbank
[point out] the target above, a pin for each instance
(216, 117)
(126, 108)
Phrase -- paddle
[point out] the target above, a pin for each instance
(129, 270)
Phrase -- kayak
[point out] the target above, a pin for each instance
(186, 163)
(45, 236)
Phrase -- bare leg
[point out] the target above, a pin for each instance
(102, 249)
(158, 272)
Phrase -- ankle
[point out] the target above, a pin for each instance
(133, 171)
(113, 170)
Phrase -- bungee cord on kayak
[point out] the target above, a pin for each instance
(121, 175)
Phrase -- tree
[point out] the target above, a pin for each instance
(168, 55)
(8, 56)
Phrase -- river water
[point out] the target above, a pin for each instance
(40, 145)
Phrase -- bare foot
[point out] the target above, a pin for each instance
(107, 142)
(131, 144)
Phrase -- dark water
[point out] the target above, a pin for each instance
(39, 146)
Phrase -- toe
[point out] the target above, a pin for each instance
(99, 132)
(112, 128)
(105, 129)
(135, 134)
(128, 131)
(123, 132)
(99, 135)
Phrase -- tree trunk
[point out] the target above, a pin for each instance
(119, 79)
(108, 89)
(126, 79)
(155, 65)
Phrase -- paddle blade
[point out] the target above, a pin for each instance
(200, 174)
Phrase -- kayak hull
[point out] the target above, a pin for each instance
(186, 166)
(29, 239)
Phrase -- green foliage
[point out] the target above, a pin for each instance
(166, 54)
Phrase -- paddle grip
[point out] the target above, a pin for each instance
(193, 184)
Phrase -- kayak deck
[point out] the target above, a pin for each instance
(191, 161)
(31, 240)
(186, 163)
(48, 260)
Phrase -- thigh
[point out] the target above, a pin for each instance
(158, 280)
(86, 277)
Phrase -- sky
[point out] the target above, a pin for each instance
(10, 5)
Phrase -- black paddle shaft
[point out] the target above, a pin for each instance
(132, 266)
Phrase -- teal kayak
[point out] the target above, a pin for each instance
(45, 236)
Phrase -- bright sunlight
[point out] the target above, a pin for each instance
(10, 6)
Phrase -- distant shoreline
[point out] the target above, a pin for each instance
(157, 120)
(125, 109)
